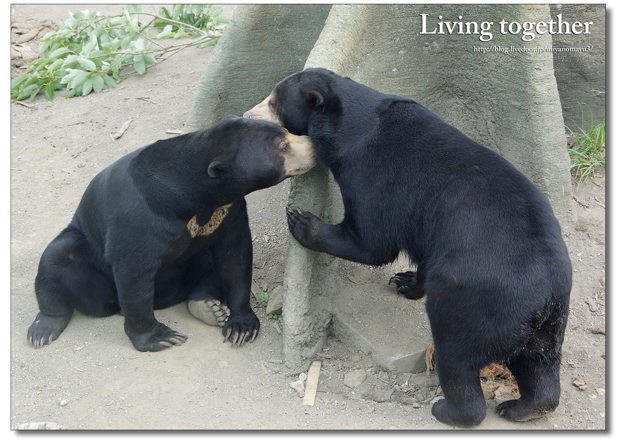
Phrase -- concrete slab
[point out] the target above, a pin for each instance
(373, 318)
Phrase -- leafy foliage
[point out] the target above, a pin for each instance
(89, 51)
(262, 297)
(588, 153)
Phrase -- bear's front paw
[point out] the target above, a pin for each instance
(46, 329)
(302, 225)
(156, 338)
(238, 328)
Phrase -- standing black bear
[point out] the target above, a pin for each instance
(489, 252)
(165, 224)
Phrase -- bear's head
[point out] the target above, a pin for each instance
(293, 100)
(247, 155)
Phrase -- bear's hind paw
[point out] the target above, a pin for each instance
(212, 312)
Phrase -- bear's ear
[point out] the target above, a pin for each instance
(217, 170)
(314, 99)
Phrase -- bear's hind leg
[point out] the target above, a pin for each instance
(464, 404)
(65, 281)
(538, 378)
(536, 367)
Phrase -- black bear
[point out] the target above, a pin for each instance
(164, 224)
(489, 252)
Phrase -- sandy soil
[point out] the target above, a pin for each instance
(92, 377)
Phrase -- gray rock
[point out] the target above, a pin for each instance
(298, 386)
(274, 305)
(382, 395)
(354, 378)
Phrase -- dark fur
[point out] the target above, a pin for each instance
(128, 247)
(490, 254)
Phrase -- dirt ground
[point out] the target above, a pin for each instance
(93, 378)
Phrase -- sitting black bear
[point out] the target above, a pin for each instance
(165, 224)
(489, 252)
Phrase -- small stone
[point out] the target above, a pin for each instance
(382, 395)
(274, 305)
(354, 378)
(298, 386)
(580, 383)
(581, 225)
(403, 379)
(63, 403)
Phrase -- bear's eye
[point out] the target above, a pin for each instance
(272, 106)
(284, 146)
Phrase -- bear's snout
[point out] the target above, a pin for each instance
(300, 157)
(263, 111)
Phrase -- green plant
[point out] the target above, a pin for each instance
(89, 51)
(588, 153)
(262, 297)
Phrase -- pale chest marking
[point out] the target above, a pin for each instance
(204, 230)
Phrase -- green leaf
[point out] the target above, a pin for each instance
(17, 81)
(195, 9)
(134, 8)
(78, 80)
(59, 52)
(209, 43)
(149, 58)
(35, 92)
(139, 44)
(177, 10)
(49, 91)
(118, 20)
(86, 64)
(27, 91)
(166, 33)
(88, 87)
(138, 64)
(43, 46)
(69, 76)
(215, 10)
(110, 46)
(48, 36)
(96, 55)
(97, 83)
(88, 48)
(164, 12)
(109, 81)
(125, 42)
(57, 64)
(30, 81)
(71, 22)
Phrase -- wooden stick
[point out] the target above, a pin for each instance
(312, 383)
